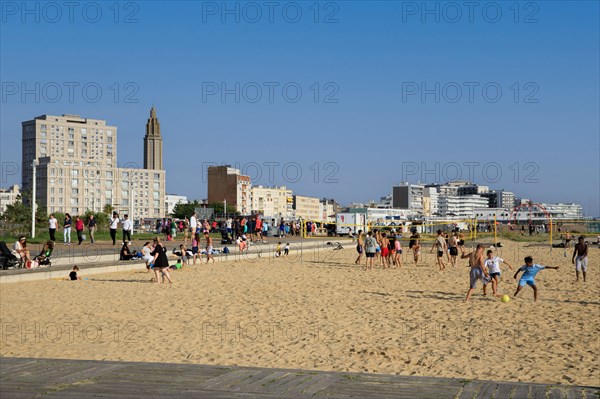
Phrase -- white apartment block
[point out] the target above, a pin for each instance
(454, 206)
(171, 200)
(8, 196)
(77, 169)
(272, 202)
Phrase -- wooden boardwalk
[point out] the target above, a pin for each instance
(56, 378)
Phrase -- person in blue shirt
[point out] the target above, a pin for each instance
(529, 271)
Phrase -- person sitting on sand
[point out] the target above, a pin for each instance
(73, 275)
(477, 272)
(529, 271)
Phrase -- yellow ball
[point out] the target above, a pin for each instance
(505, 298)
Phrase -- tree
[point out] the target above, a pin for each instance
(16, 220)
(182, 211)
(218, 208)
(108, 209)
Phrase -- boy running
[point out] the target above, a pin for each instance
(492, 263)
(529, 271)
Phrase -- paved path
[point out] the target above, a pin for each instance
(55, 378)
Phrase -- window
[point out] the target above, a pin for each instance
(157, 186)
(156, 203)
(156, 195)
(74, 182)
(108, 194)
(109, 174)
(75, 191)
(125, 202)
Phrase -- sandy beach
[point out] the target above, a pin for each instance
(320, 311)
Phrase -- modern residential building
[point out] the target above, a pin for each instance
(455, 206)
(171, 200)
(500, 199)
(77, 169)
(472, 189)
(329, 207)
(543, 211)
(272, 202)
(430, 202)
(408, 196)
(307, 208)
(8, 196)
(227, 184)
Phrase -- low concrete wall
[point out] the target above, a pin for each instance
(305, 252)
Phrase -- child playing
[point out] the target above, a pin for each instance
(73, 275)
(286, 249)
(529, 271)
(278, 250)
(492, 263)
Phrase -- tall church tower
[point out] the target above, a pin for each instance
(153, 154)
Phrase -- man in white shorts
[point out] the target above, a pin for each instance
(580, 258)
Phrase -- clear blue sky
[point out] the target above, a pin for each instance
(372, 59)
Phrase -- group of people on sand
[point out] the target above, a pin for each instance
(487, 269)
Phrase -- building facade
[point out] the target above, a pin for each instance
(460, 206)
(9, 196)
(171, 200)
(227, 184)
(307, 208)
(77, 169)
(272, 202)
(408, 196)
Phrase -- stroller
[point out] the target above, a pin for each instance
(7, 259)
(225, 239)
(44, 256)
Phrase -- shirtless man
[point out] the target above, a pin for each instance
(209, 247)
(478, 271)
(580, 258)
(567, 242)
(453, 248)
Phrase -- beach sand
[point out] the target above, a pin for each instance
(321, 312)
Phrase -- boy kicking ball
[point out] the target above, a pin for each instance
(529, 271)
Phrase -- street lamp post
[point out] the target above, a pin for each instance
(33, 205)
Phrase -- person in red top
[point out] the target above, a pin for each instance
(258, 227)
(79, 229)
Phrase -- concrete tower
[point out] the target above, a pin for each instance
(153, 154)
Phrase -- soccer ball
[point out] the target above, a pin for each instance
(505, 298)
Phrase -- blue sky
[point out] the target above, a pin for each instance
(404, 93)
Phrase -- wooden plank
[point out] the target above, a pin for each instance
(487, 390)
(537, 392)
(227, 379)
(470, 390)
(503, 391)
(555, 393)
(573, 393)
(520, 392)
